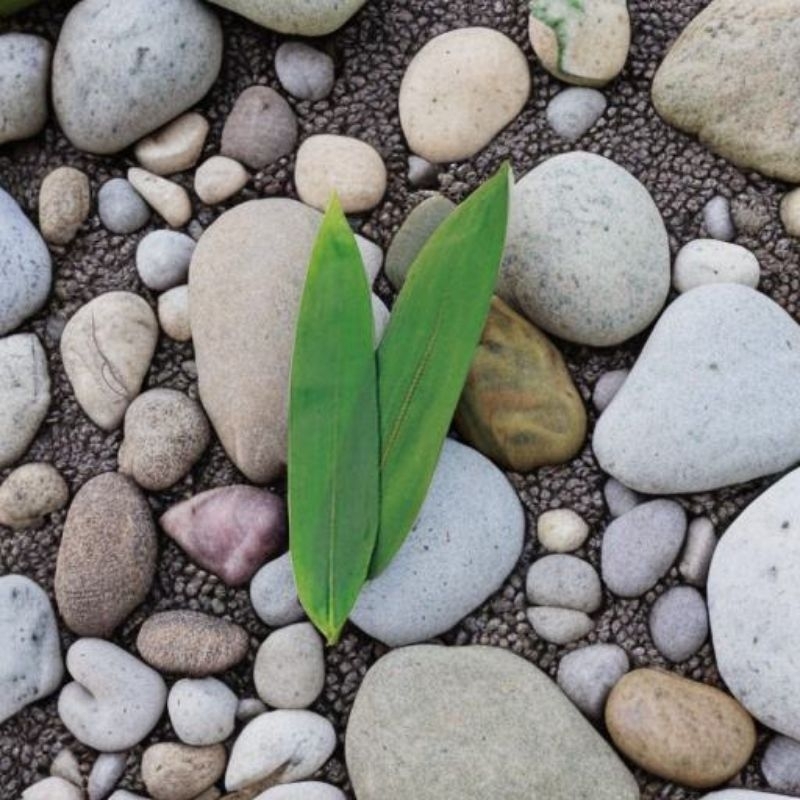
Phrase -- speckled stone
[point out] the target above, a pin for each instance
(173, 771)
(24, 76)
(30, 493)
(564, 581)
(305, 72)
(64, 204)
(296, 17)
(572, 112)
(679, 623)
(202, 711)
(705, 261)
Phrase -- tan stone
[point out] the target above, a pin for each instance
(173, 771)
(678, 729)
(173, 313)
(176, 147)
(219, 178)
(163, 196)
(64, 204)
(30, 493)
(519, 406)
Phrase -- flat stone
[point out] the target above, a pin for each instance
(680, 730)
(517, 736)
(460, 90)
(25, 266)
(559, 625)
(162, 259)
(519, 405)
(305, 72)
(465, 542)
(230, 531)
(24, 77)
(296, 17)
(717, 219)
(121, 72)
(740, 353)
(64, 204)
(173, 314)
(753, 595)
(168, 199)
(273, 593)
(587, 255)
(52, 789)
(105, 774)
(701, 541)
(202, 711)
(698, 87)
(30, 493)
(679, 623)
(588, 675)
(564, 581)
(219, 178)
(106, 347)
(572, 112)
(173, 771)
(122, 209)
(607, 386)
(115, 699)
(705, 261)
(107, 556)
(174, 148)
(781, 764)
(191, 643)
(24, 393)
(561, 530)
(640, 546)
(349, 167)
(30, 651)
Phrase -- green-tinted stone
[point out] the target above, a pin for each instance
(519, 406)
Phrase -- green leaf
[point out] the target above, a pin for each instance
(8, 7)
(427, 349)
(333, 430)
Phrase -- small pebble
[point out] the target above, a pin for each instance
(608, 384)
(572, 112)
(176, 147)
(588, 675)
(219, 178)
(620, 499)
(24, 77)
(751, 213)
(165, 197)
(173, 314)
(781, 764)
(559, 625)
(52, 789)
(706, 261)
(162, 259)
(122, 209)
(422, 174)
(124, 794)
(173, 771)
(289, 671)
(202, 710)
(66, 765)
(353, 169)
(561, 530)
(717, 219)
(310, 790)
(30, 493)
(304, 72)
(679, 623)
(65, 201)
(696, 559)
(380, 315)
(790, 212)
(274, 595)
(106, 772)
(249, 708)
(564, 581)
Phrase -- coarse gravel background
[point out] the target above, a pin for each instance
(371, 53)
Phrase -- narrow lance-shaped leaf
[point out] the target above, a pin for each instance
(426, 351)
(333, 430)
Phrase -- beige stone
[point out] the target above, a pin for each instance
(30, 493)
(64, 204)
(163, 196)
(173, 771)
(173, 313)
(219, 178)
(176, 147)
(790, 212)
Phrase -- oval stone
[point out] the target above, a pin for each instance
(296, 17)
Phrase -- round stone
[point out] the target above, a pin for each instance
(24, 75)
(561, 530)
(105, 774)
(620, 499)
(173, 314)
(559, 625)
(296, 17)
(572, 112)
(173, 771)
(52, 789)
(162, 259)
(122, 209)
(30, 493)
(64, 204)
(564, 581)
(717, 219)
(274, 595)
(305, 72)
(202, 711)
(781, 764)
(176, 147)
(219, 178)
(679, 623)
(710, 261)
(588, 675)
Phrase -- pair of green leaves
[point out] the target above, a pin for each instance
(366, 429)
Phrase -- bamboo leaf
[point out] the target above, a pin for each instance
(426, 351)
(333, 430)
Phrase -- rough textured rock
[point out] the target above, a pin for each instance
(174, 148)
(24, 76)
(401, 741)
(30, 493)
(107, 557)
(519, 405)
(64, 204)
(173, 771)
(296, 17)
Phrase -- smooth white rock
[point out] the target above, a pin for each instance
(304, 71)
(273, 593)
(307, 790)
(744, 794)
(176, 147)
(249, 708)
(202, 710)
(607, 386)
(620, 499)
(717, 219)
(564, 581)
(572, 112)
(162, 259)
(173, 314)
(66, 765)
(380, 314)
(588, 675)
(24, 75)
(106, 772)
(561, 530)
(296, 17)
(165, 197)
(219, 178)
(706, 261)
(121, 208)
(781, 764)
(559, 625)
(679, 623)
(52, 789)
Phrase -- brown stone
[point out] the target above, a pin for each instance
(678, 729)
(519, 406)
(191, 643)
(173, 771)
(107, 558)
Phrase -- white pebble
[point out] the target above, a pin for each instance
(561, 530)
(620, 499)
(381, 315)
(608, 384)
(173, 314)
(66, 765)
(705, 261)
(202, 710)
(274, 595)
(572, 112)
(696, 559)
(304, 71)
(106, 772)
(781, 764)
(564, 581)
(52, 789)
(679, 623)
(219, 178)
(559, 625)
(163, 196)
(162, 259)
(174, 148)
(717, 219)
(790, 212)
(310, 790)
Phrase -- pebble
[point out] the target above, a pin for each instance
(121, 72)
(678, 729)
(65, 201)
(296, 17)
(381, 315)
(166, 432)
(781, 764)
(260, 302)
(124, 794)
(640, 546)
(587, 256)
(699, 89)
(790, 212)
(106, 772)
(173, 771)
(572, 112)
(230, 531)
(744, 794)
(273, 593)
(260, 129)
(191, 643)
(559, 625)
(176, 147)
(607, 386)
(305, 790)
(24, 77)
(202, 711)
(66, 765)
(165, 197)
(24, 394)
(30, 651)
(412, 235)
(460, 90)
(564, 581)
(705, 261)
(620, 499)
(218, 179)
(249, 708)
(106, 347)
(679, 623)
(519, 405)
(162, 259)
(289, 671)
(352, 169)
(121, 207)
(173, 314)
(401, 740)
(25, 266)
(421, 173)
(753, 595)
(288, 744)
(561, 530)
(115, 699)
(751, 213)
(305, 72)
(744, 370)
(717, 219)
(107, 556)
(52, 789)
(588, 675)
(701, 541)
(466, 541)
